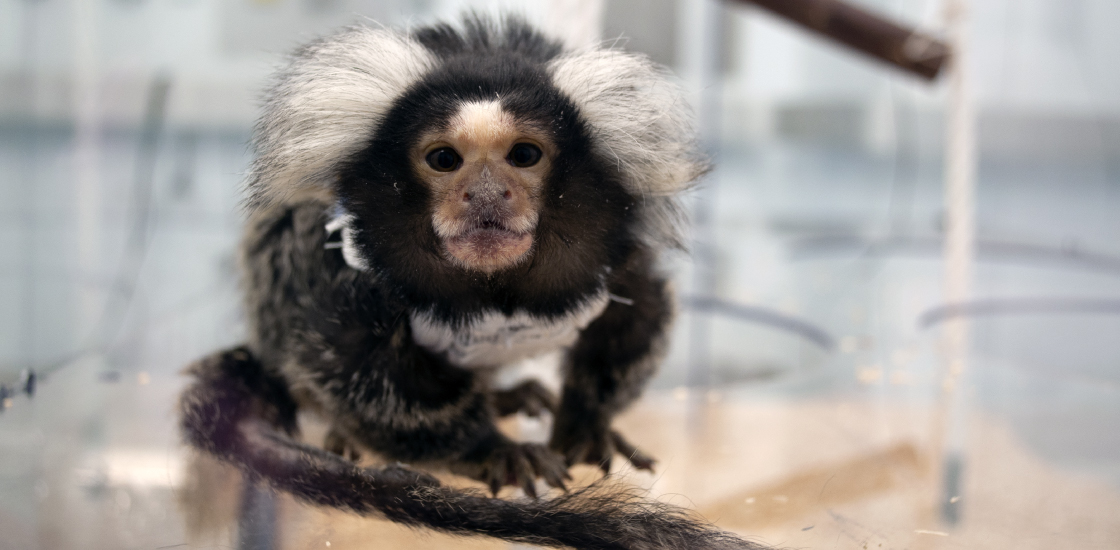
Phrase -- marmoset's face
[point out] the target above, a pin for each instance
(486, 171)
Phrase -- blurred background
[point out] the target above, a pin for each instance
(803, 402)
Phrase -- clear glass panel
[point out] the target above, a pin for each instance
(799, 404)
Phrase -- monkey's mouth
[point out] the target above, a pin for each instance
(489, 245)
(491, 236)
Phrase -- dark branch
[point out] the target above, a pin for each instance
(866, 32)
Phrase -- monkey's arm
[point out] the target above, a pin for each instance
(608, 367)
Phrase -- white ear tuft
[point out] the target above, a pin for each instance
(325, 106)
(639, 119)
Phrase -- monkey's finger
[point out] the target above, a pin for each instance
(555, 479)
(562, 468)
(496, 475)
(605, 463)
(602, 453)
(578, 453)
(544, 398)
(551, 467)
(521, 467)
(533, 407)
(520, 472)
(639, 459)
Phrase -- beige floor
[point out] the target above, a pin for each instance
(827, 474)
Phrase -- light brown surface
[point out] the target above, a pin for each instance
(825, 473)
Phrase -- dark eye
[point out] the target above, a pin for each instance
(444, 159)
(524, 155)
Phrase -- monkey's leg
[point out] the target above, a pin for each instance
(608, 367)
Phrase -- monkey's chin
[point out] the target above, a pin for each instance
(489, 250)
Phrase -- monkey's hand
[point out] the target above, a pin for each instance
(532, 398)
(529, 397)
(499, 461)
(595, 444)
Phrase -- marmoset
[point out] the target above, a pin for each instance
(425, 208)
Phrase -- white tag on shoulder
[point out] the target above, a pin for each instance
(340, 223)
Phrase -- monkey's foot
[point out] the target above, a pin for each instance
(598, 447)
(516, 464)
(529, 397)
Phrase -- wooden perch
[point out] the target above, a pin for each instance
(866, 32)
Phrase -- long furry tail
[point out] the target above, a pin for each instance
(237, 412)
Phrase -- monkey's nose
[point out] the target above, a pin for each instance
(487, 193)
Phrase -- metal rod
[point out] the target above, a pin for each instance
(866, 32)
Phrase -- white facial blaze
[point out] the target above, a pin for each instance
(482, 123)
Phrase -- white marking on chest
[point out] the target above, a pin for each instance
(496, 339)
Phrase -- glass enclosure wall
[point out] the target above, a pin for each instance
(809, 335)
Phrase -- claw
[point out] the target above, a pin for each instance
(529, 487)
(597, 448)
(495, 486)
(516, 464)
(551, 468)
(639, 459)
(605, 464)
(578, 454)
(497, 475)
(556, 481)
(525, 475)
